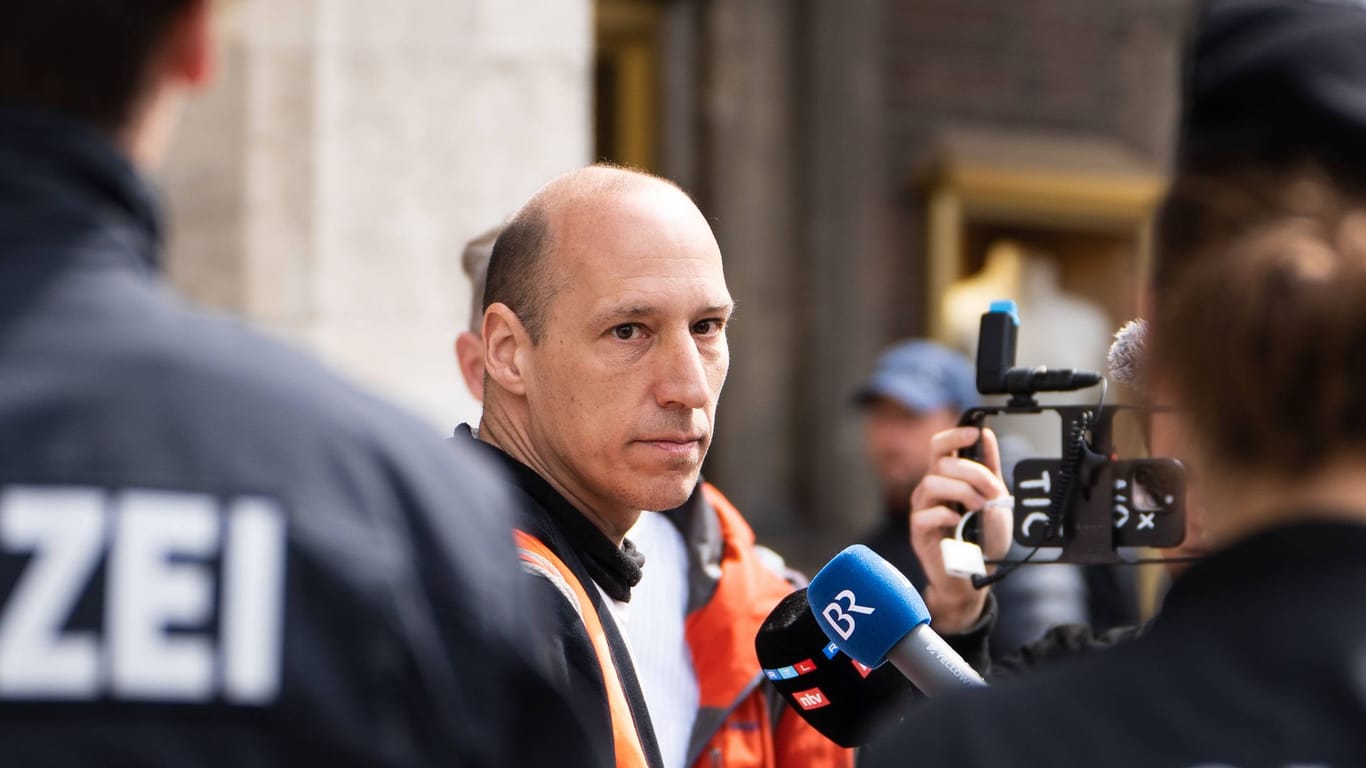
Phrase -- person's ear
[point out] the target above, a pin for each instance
(469, 355)
(1147, 299)
(190, 54)
(507, 347)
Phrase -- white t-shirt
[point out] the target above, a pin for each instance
(657, 612)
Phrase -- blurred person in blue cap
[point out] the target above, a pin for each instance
(916, 390)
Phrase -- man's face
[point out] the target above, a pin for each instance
(622, 387)
(898, 442)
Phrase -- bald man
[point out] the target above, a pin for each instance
(704, 593)
(605, 351)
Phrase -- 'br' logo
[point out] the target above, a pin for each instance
(812, 698)
(839, 618)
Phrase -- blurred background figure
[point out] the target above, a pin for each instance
(469, 345)
(916, 390)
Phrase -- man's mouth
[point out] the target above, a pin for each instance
(673, 444)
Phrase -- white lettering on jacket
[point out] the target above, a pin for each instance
(172, 562)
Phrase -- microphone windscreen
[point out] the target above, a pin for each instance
(1125, 358)
(842, 699)
(864, 604)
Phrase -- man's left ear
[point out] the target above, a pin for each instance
(190, 55)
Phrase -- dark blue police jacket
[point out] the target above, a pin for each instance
(212, 551)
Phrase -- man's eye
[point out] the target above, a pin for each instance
(626, 332)
(707, 327)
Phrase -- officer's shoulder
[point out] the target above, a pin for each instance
(212, 367)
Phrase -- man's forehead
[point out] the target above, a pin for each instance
(629, 236)
(649, 206)
(645, 305)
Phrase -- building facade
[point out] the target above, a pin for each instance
(855, 158)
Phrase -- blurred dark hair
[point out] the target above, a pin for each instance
(475, 261)
(88, 59)
(1213, 202)
(1260, 324)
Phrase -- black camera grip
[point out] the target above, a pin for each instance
(973, 417)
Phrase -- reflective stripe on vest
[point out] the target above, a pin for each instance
(538, 558)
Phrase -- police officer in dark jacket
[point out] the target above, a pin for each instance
(1259, 282)
(213, 552)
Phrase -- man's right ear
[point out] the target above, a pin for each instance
(507, 347)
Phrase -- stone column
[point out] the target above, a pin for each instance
(326, 186)
(845, 261)
(746, 190)
(792, 173)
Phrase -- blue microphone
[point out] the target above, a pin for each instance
(870, 611)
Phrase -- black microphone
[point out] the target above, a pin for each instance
(869, 609)
(996, 371)
(842, 699)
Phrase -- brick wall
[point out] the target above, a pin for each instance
(1106, 67)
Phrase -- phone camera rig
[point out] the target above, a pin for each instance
(1087, 502)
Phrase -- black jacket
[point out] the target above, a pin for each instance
(1059, 643)
(891, 539)
(594, 559)
(1257, 659)
(212, 551)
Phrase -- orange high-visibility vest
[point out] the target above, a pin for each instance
(538, 558)
(721, 637)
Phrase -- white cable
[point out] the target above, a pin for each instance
(999, 501)
(958, 534)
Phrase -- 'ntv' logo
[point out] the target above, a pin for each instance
(812, 698)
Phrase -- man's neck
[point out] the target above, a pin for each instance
(896, 506)
(1249, 505)
(148, 132)
(509, 434)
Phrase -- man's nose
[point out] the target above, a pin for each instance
(683, 381)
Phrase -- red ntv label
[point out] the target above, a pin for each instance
(811, 698)
(804, 666)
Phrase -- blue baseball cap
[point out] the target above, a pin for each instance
(923, 376)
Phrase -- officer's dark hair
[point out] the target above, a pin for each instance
(517, 274)
(1261, 317)
(89, 59)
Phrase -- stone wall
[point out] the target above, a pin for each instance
(325, 186)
